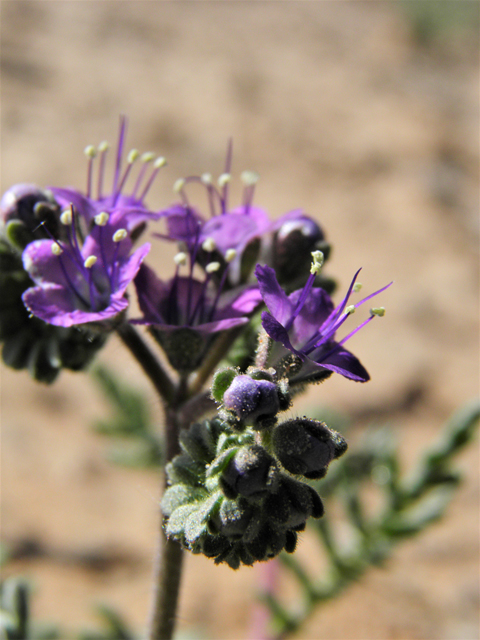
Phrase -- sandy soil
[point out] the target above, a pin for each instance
(365, 114)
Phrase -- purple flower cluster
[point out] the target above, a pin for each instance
(83, 260)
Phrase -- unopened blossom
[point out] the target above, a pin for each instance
(306, 322)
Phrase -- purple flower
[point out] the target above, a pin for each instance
(186, 314)
(246, 229)
(184, 302)
(82, 282)
(306, 321)
(131, 206)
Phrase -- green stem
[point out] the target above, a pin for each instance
(169, 560)
(168, 573)
(168, 565)
(149, 363)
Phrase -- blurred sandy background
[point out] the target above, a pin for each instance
(363, 113)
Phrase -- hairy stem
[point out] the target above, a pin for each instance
(168, 565)
(147, 360)
(168, 573)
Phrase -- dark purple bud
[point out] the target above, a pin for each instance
(232, 519)
(253, 401)
(306, 446)
(26, 208)
(292, 247)
(213, 546)
(291, 542)
(252, 472)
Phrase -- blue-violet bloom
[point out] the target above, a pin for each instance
(186, 302)
(82, 282)
(306, 321)
(240, 228)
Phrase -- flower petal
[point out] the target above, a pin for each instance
(129, 268)
(341, 361)
(53, 303)
(273, 295)
(277, 332)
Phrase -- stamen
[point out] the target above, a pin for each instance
(207, 180)
(157, 165)
(90, 152)
(209, 245)
(178, 185)
(249, 178)
(66, 217)
(180, 259)
(120, 235)
(315, 268)
(318, 260)
(378, 311)
(350, 309)
(90, 261)
(159, 162)
(133, 155)
(224, 179)
(147, 157)
(102, 149)
(212, 267)
(230, 255)
(56, 249)
(356, 287)
(118, 161)
(101, 218)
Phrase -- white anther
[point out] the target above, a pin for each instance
(148, 156)
(66, 217)
(101, 218)
(230, 255)
(90, 151)
(90, 261)
(212, 267)
(206, 178)
(317, 263)
(224, 179)
(178, 185)
(356, 287)
(56, 249)
(180, 259)
(377, 311)
(350, 309)
(159, 162)
(120, 235)
(132, 156)
(209, 245)
(103, 146)
(249, 178)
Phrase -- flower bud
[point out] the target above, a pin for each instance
(253, 402)
(292, 246)
(24, 208)
(306, 446)
(252, 473)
